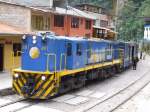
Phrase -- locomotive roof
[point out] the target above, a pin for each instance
(52, 35)
(129, 42)
(79, 39)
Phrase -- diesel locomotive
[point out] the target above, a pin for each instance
(52, 65)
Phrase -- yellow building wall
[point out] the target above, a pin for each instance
(10, 61)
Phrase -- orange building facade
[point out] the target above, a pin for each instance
(68, 25)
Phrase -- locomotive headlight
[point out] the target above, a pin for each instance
(34, 37)
(24, 37)
(43, 78)
(16, 75)
(43, 38)
(34, 52)
(34, 42)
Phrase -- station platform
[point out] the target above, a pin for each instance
(5, 80)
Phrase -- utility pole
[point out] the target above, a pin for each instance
(115, 13)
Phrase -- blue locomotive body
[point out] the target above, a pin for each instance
(57, 53)
(53, 65)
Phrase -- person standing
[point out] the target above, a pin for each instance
(134, 62)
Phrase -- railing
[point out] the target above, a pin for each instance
(121, 54)
(61, 60)
(48, 59)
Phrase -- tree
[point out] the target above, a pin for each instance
(131, 21)
(104, 3)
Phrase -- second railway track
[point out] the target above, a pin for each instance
(17, 105)
(112, 102)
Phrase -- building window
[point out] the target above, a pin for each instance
(74, 22)
(58, 21)
(69, 49)
(103, 23)
(79, 49)
(40, 23)
(88, 24)
(103, 11)
(17, 49)
(37, 22)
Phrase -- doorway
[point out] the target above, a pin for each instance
(133, 52)
(1, 57)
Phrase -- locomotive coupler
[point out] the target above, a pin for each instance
(28, 88)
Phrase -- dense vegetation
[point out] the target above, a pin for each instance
(104, 3)
(131, 19)
(131, 22)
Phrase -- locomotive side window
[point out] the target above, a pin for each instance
(79, 49)
(69, 49)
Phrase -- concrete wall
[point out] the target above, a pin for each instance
(47, 3)
(100, 17)
(30, 2)
(15, 16)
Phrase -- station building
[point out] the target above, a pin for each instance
(18, 20)
(104, 24)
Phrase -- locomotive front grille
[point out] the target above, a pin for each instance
(34, 85)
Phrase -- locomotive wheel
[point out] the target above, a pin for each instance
(79, 82)
(105, 74)
(118, 69)
(71, 83)
(66, 86)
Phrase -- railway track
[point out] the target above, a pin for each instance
(130, 97)
(17, 105)
(13, 102)
(106, 103)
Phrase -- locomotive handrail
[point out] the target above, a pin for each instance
(121, 54)
(63, 54)
(48, 59)
(19, 52)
